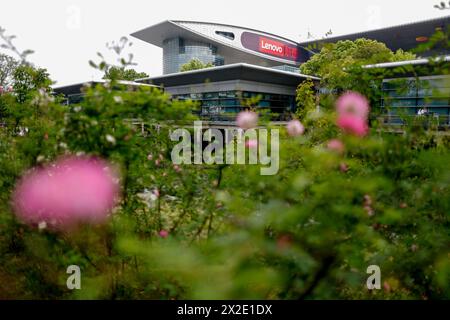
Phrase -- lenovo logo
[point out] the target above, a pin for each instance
(271, 47)
(277, 48)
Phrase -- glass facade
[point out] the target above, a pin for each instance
(178, 51)
(429, 96)
(223, 106)
(288, 68)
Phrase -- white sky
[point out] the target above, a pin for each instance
(66, 34)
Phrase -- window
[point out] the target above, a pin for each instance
(181, 46)
(228, 35)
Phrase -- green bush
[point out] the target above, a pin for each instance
(309, 232)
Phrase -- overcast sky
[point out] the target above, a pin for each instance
(66, 34)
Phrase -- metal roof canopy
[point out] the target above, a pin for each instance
(168, 29)
(239, 71)
(396, 37)
(76, 88)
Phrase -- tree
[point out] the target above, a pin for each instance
(195, 64)
(28, 79)
(120, 73)
(335, 61)
(7, 66)
(340, 66)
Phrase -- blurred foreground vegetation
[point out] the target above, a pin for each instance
(309, 232)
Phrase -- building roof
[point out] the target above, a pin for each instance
(238, 71)
(241, 47)
(76, 87)
(406, 36)
(157, 33)
(413, 68)
(423, 61)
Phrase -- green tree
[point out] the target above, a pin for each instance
(336, 61)
(7, 66)
(27, 80)
(195, 64)
(121, 73)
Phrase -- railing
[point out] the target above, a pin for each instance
(438, 121)
(220, 113)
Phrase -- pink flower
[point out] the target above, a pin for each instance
(163, 234)
(353, 124)
(176, 168)
(336, 145)
(150, 156)
(284, 241)
(369, 210)
(353, 103)
(343, 167)
(247, 119)
(387, 286)
(251, 144)
(157, 162)
(68, 192)
(295, 128)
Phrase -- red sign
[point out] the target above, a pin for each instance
(277, 48)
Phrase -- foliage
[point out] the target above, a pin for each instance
(338, 64)
(7, 67)
(195, 64)
(305, 98)
(442, 5)
(118, 73)
(309, 232)
(27, 80)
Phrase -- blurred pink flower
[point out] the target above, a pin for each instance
(387, 286)
(163, 234)
(149, 156)
(367, 200)
(295, 128)
(336, 145)
(70, 191)
(369, 211)
(177, 168)
(252, 143)
(343, 167)
(353, 103)
(247, 119)
(284, 241)
(353, 124)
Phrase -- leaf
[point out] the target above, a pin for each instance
(27, 52)
(102, 65)
(92, 64)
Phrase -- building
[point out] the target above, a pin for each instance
(416, 87)
(406, 36)
(251, 63)
(74, 93)
(223, 91)
(221, 44)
